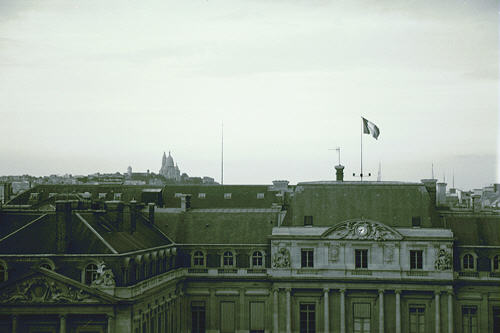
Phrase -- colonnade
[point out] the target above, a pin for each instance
(15, 326)
(342, 311)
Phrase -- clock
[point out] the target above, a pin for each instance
(362, 230)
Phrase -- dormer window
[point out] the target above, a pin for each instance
(416, 222)
(308, 220)
(102, 196)
(227, 195)
(202, 195)
(91, 273)
(198, 259)
(227, 259)
(117, 196)
(468, 262)
(257, 259)
(260, 195)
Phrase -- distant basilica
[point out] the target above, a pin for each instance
(168, 169)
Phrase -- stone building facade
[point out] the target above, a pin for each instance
(314, 257)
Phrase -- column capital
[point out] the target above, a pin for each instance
(437, 292)
(450, 292)
(288, 290)
(381, 291)
(275, 289)
(342, 290)
(326, 290)
(397, 291)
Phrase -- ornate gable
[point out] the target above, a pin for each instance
(361, 229)
(39, 288)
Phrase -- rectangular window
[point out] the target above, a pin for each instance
(117, 196)
(260, 195)
(102, 196)
(496, 319)
(361, 258)
(307, 257)
(417, 319)
(227, 317)
(416, 259)
(307, 318)
(361, 317)
(227, 195)
(202, 195)
(257, 317)
(415, 221)
(308, 220)
(469, 319)
(197, 317)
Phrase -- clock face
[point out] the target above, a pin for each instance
(362, 230)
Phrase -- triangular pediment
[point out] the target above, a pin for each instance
(362, 229)
(47, 287)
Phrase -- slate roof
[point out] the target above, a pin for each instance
(391, 203)
(86, 235)
(242, 196)
(475, 229)
(217, 227)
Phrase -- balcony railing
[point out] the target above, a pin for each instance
(227, 271)
(256, 271)
(361, 272)
(417, 273)
(198, 270)
(468, 274)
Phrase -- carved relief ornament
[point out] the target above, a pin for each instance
(281, 259)
(361, 229)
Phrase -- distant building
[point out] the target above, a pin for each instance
(168, 169)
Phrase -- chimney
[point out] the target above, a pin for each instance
(281, 185)
(430, 185)
(340, 172)
(63, 222)
(441, 194)
(151, 210)
(185, 202)
(476, 203)
(114, 212)
(130, 217)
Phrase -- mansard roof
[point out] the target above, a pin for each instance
(391, 203)
(475, 229)
(228, 226)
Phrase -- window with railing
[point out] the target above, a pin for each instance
(198, 259)
(257, 259)
(468, 262)
(228, 259)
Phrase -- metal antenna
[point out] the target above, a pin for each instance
(338, 151)
(222, 156)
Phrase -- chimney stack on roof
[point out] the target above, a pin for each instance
(114, 212)
(476, 203)
(441, 194)
(130, 217)
(63, 223)
(430, 185)
(185, 202)
(151, 212)
(340, 172)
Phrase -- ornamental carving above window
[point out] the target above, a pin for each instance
(281, 258)
(362, 230)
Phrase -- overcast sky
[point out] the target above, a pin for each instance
(88, 86)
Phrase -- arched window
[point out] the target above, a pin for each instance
(227, 258)
(3, 272)
(257, 259)
(468, 262)
(198, 259)
(90, 273)
(496, 263)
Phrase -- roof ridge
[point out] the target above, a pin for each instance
(96, 233)
(24, 226)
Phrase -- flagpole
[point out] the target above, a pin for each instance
(361, 174)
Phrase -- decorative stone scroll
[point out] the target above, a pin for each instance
(362, 230)
(106, 277)
(443, 260)
(42, 290)
(281, 258)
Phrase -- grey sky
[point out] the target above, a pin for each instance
(89, 86)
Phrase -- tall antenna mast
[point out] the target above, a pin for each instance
(432, 165)
(453, 179)
(222, 157)
(379, 176)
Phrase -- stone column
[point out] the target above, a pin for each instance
(242, 311)
(288, 311)
(398, 310)
(381, 310)
(450, 312)
(14, 324)
(110, 324)
(438, 312)
(342, 310)
(326, 309)
(180, 311)
(62, 323)
(275, 310)
(213, 311)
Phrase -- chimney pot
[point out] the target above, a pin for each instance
(340, 172)
(151, 211)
